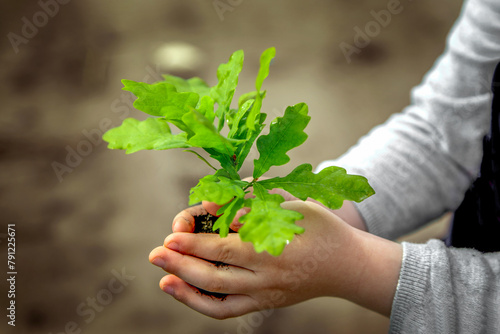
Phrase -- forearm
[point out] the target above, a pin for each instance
(371, 271)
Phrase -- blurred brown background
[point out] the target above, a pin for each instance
(83, 219)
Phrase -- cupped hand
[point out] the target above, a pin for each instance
(315, 263)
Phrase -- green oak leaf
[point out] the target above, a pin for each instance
(265, 61)
(223, 173)
(227, 212)
(194, 85)
(236, 126)
(230, 117)
(331, 186)
(150, 134)
(250, 96)
(268, 226)
(223, 92)
(161, 99)
(226, 161)
(243, 150)
(239, 130)
(285, 133)
(217, 189)
(203, 134)
(206, 107)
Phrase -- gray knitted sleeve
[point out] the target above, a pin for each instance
(420, 163)
(447, 290)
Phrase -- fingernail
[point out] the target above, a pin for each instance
(174, 228)
(158, 261)
(173, 246)
(168, 289)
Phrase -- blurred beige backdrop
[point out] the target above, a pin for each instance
(87, 217)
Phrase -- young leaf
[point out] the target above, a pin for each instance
(227, 163)
(217, 189)
(239, 130)
(205, 135)
(150, 134)
(230, 117)
(223, 92)
(244, 149)
(161, 99)
(236, 127)
(249, 96)
(285, 133)
(228, 213)
(268, 226)
(331, 186)
(265, 61)
(206, 107)
(194, 85)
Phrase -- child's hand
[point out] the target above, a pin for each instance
(329, 259)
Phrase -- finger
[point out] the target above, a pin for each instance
(286, 195)
(184, 220)
(155, 256)
(230, 250)
(218, 308)
(218, 278)
(236, 225)
(211, 208)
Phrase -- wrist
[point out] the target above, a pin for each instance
(350, 214)
(347, 213)
(371, 272)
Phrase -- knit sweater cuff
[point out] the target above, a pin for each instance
(407, 305)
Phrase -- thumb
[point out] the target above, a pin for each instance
(211, 207)
(236, 225)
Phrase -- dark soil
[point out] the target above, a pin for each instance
(220, 296)
(204, 224)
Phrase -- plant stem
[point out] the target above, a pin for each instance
(250, 184)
